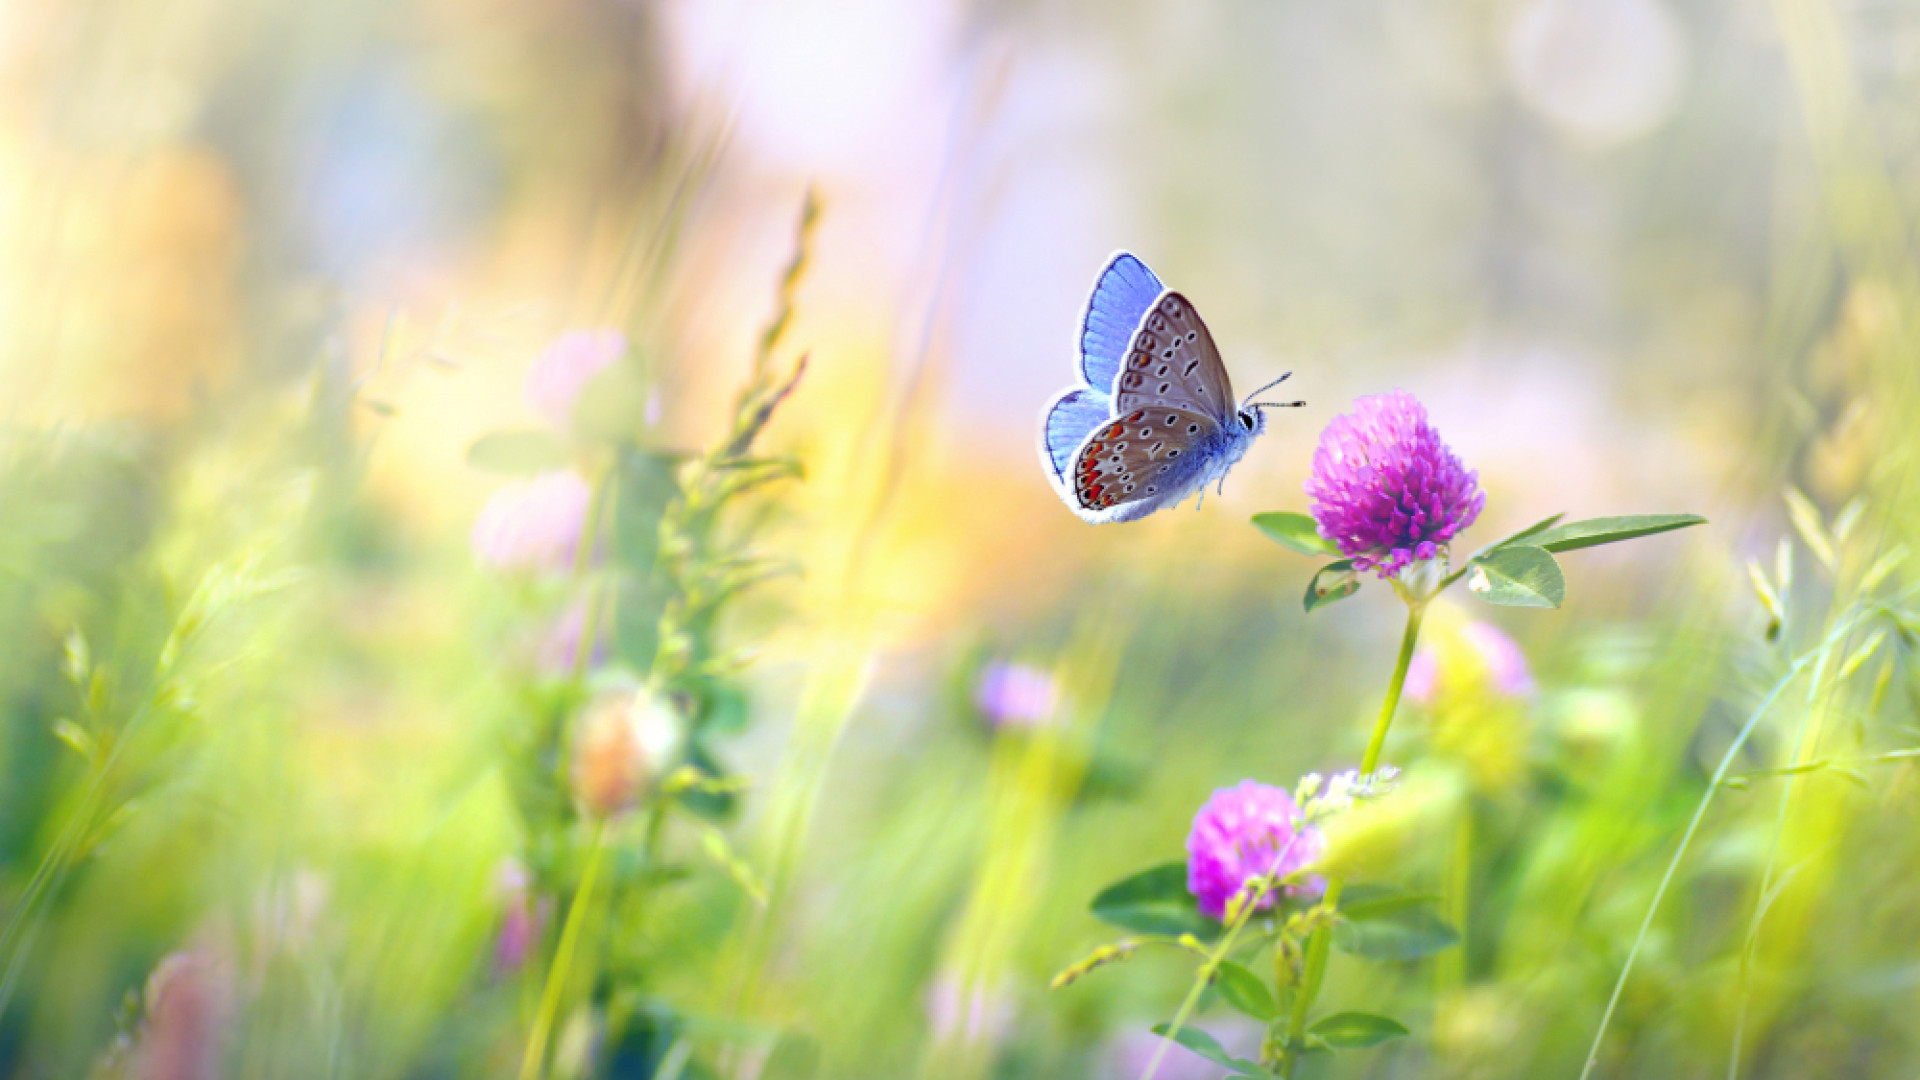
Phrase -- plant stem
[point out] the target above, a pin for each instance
(530, 1065)
(1371, 761)
(1205, 974)
(1322, 940)
(1693, 826)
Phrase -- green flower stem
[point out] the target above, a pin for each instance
(1205, 974)
(530, 1065)
(1371, 761)
(1322, 940)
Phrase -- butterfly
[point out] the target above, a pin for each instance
(1153, 419)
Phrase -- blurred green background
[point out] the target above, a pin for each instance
(292, 759)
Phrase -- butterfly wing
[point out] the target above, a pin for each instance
(1069, 420)
(1122, 294)
(1137, 463)
(1173, 362)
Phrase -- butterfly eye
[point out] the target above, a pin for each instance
(1246, 420)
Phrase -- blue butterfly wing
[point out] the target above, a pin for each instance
(1071, 416)
(1141, 461)
(1121, 296)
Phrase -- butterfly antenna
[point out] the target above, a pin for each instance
(1275, 404)
(1270, 386)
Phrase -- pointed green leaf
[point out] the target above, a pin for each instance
(1608, 530)
(1518, 576)
(1364, 902)
(1243, 990)
(518, 453)
(1333, 582)
(1209, 1047)
(1155, 901)
(1532, 530)
(1356, 1030)
(1296, 531)
(1383, 923)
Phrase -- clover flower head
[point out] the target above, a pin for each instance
(533, 524)
(1016, 695)
(1242, 835)
(1386, 489)
(625, 743)
(563, 369)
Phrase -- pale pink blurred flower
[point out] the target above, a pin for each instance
(970, 1014)
(533, 524)
(559, 647)
(1499, 658)
(566, 366)
(1506, 664)
(1016, 695)
(189, 1015)
(523, 917)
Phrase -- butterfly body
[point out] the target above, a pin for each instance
(1154, 419)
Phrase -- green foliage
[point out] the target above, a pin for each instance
(1243, 990)
(1155, 901)
(1209, 1047)
(1610, 530)
(1296, 531)
(1381, 923)
(1518, 575)
(1356, 1030)
(1331, 583)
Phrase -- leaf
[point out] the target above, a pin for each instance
(518, 453)
(1296, 531)
(1379, 902)
(1333, 582)
(1518, 576)
(1609, 530)
(1209, 1047)
(795, 1057)
(1532, 530)
(1356, 1030)
(1382, 923)
(1155, 901)
(1243, 990)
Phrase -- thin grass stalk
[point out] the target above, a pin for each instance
(1693, 826)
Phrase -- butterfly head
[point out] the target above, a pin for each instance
(1253, 415)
